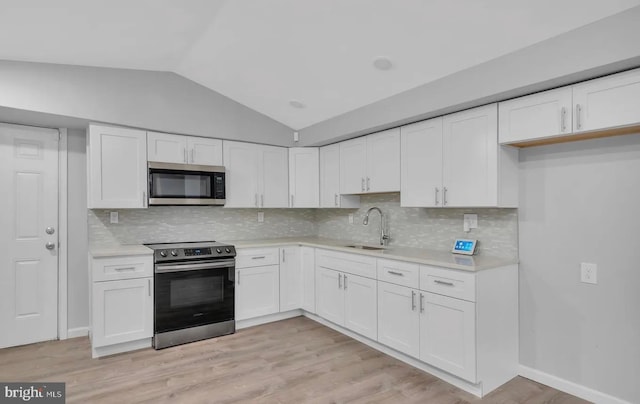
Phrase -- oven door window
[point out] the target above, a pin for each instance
(193, 298)
(172, 184)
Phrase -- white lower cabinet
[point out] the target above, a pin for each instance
(290, 279)
(360, 298)
(308, 262)
(329, 296)
(257, 291)
(398, 318)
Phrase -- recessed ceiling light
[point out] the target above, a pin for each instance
(296, 104)
(382, 63)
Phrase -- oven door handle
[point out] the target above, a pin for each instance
(162, 268)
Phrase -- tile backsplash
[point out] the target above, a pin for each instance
(411, 227)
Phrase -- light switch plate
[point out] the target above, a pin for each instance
(350, 218)
(589, 272)
(113, 217)
(260, 217)
(471, 219)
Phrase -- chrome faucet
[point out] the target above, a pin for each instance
(384, 237)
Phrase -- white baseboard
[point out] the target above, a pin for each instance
(270, 318)
(575, 389)
(77, 332)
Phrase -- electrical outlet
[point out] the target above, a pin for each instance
(260, 217)
(589, 272)
(113, 217)
(350, 218)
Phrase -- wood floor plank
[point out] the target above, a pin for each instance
(290, 361)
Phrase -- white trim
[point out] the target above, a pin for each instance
(78, 332)
(575, 389)
(120, 348)
(270, 318)
(62, 235)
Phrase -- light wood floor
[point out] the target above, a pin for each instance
(291, 361)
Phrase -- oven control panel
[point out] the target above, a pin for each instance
(192, 252)
(184, 251)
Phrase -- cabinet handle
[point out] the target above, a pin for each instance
(345, 282)
(292, 201)
(578, 113)
(413, 300)
(444, 196)
(238, 277)
(185, 158)
(563, 119)
(260, 257)
(443, 283)
(126, 269)
(262, 200)
(396, 273)
(368, 183)
(283, 255)
(335, 200)
(421, 303)
(339, 281)
(437, 191)
(149, 286)
(362, 184)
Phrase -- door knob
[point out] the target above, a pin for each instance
(50, 230)
(50, 245)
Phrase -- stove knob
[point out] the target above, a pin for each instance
(227, 250)
(163, 253)
(174, 253)
(219, 251)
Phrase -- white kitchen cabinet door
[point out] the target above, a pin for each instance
(383, 161)
(273, 184)
(204, 151)
(329, 295)
(257, 291)
(167, 148)
(470, 156)
(421, 162)
(360, 305)
(607, 102)
(122, 311)
(330, 196)
(398, 318)
(535, 116)
(308, 262)
(448, 335)
(290, 278)
(117, 168)
(353, 166)
(241, 163)
(304, 177)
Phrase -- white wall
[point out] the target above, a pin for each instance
(77, 271)
(579, 202)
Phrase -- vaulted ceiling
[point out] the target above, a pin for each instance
(270, 54)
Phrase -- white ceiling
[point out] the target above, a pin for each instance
(264, 53)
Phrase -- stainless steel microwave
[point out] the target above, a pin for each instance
(186, 184)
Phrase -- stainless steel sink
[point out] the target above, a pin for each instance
(365, 247)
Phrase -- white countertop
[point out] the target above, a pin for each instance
(119, 250)
(417, 255)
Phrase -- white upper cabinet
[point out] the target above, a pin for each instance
(304, 177)
(330, 196)
(371, 164)
(168, 148)
(257, 176)
(421, 163)
(607, 102)
(540, 115)
(117, 167)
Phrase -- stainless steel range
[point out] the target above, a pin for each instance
(194, 292)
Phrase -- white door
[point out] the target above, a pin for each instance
(329, 295)
(304, 177)
(607, 102)
(353, 166)
(421, 182)
(241, 163)
(204, 151)
(290, 279)
(274, 177)
(448, 335)
(29, 205)
(398, 318)
(166, 148)
(470, 155)
(535, 116)
(257, 291)
(360, 305)
(383, 161)
(308, 262)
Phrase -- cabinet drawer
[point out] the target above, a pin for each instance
(400, 273)
(345, 262)
(115, 268)
(448, 282)
(256, 257)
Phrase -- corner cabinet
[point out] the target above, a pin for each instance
(304, 177)
(257, 176)
(116, 168)
(330, 194)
